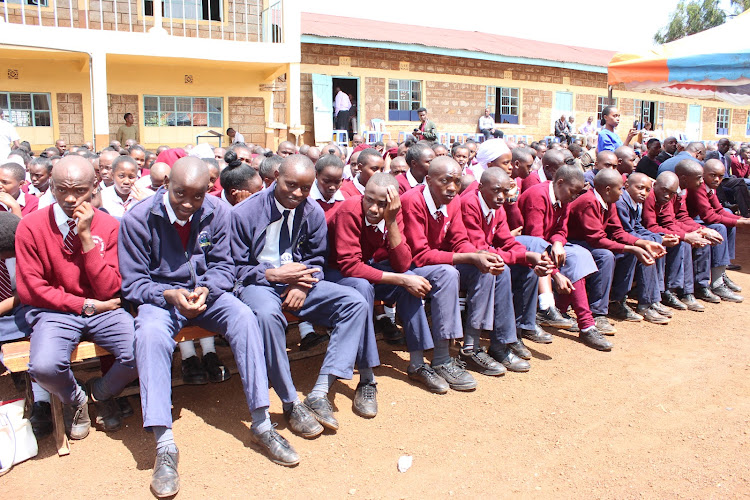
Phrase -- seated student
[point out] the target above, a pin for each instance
(649, 279)
(440, 150)
(461, 155)
(520, 162)
(604, 159)
(418, 158)
(487, 229)
(546, 209)
(551, 161)
(398, 166)
(326, 189)
(71, 281)
(269, 168)
(436, 234)
(123, 194)
(238, 180)
(12, 198)
(157, 176)
(648, 163)
(106, 158)
(491, 153)
(40, 170)
(595, 225)
(176, 258)
(625, 161)
(369, 162)
(369, 253)
(704, 206)
(279, 246)
(213, 176)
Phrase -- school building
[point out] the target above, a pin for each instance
(189, 69)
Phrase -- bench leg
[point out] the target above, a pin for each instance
(58, 426)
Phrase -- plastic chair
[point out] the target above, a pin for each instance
(341, 137)
(378, 132)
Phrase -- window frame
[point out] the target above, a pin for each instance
(33, 112)
(147, 7)
(602, 101)
(404, 114)
(726, 114)
(28, 3)
(162, 110)
(500, 106)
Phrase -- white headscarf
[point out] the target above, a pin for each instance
(487, 152)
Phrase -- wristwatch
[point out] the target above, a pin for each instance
(89, 309)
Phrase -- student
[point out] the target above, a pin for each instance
(123, 194)
(515, 300)
(398, 166)
(608, 139)
(551, 161)
(418, 158)
(326, 189)
(269, 169)
(40, 170)
(137, 153)
(369, 162)
(238, 180)
(214, 187)
(461, 154)
(177, 269)
(279, 246)
(157, 176)
(370, 254)
(648, 164)
(649, 279)
(604, 159)
(436, 234)
(491, 153)
(625, 161)
(595, 225)
(12, 198)
(105, 167)
(71, 280)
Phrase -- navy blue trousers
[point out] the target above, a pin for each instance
(444, 309)
(613, 279)
(679, 267)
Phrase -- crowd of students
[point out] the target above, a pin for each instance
(127, 247)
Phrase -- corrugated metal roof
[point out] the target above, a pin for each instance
(323, 25)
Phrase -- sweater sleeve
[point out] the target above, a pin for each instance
(400, 256)
(346, 239)
(134, 248)
(590, 227)
(615, 230)
(472, 219)
(511, 251)
(248, 271)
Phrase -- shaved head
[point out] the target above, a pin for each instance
(607, 178)
(606, 157)
(383, 179)
(296, 162)
(190, 170)
(553, 158)
(638, 177)
(73, 183)
(441, 165)
(494, 174)
(74, 167)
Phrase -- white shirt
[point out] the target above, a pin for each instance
(170, 211)
(237, 138)
(8, 135)
(552, 197)
(46, 199)
(341, 102)
(62, 221)
(359, 185)
(486, 122)
(33, 190)
(270, 253)
(113, 204)
(601, 200)
(315, 194)
(542, 175)
(434, 209)
(21, 201)
(487, 212)
(412, 181)
(380, 226)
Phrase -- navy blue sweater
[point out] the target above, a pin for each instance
(152, 258)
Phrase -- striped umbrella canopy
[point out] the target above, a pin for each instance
(711, 64)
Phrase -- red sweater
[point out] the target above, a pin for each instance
(708, 207)
(330, 208)
(530, 181)
(495, 238)
(600, 228)
(664, 219)
(32, 204)
(353, 244)
(540, 217)
(431, 242)
(403, 184)
(348, 189)
(739, 168)
(50, 278)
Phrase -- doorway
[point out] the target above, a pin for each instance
(693, 126)
(349, 86)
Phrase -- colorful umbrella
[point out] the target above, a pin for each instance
(711, 64)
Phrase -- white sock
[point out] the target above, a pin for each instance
(40, 394)
(390, 312)
(305, 329)
(187, 349)
(207, 345)
(546, 300)
(717, 276)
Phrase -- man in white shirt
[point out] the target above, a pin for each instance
(487, 125)
(8, 136)
(235, 136)
(341, 106)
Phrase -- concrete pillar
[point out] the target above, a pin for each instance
(100, 99)
(157, 27)
(293, 89)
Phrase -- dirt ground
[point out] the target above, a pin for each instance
(665, 414)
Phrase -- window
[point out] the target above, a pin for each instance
(601, 103)
(722, 121)
(173, 111)
(646, 111)
(747, 124)
(26, 110)
(186, 9)
(40, 3)
(506, 105)
(404, 99)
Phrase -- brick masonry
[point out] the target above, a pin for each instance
(247, 116)
(70, 118)
(119, 104)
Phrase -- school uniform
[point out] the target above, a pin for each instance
(56, 278)
(595, 225)
(353, 188)
(329, 206)
(705, 208)
(28, 204)
(159, 253)
(513, 215)
(360, 254)
(406, 181)
(114, 205)
(258, 233)
(534, 178)
(588, 176)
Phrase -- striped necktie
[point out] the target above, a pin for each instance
(71, 237)
(6, 290)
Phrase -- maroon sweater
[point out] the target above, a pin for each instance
(32, 204)
(708, 207)
(330, 208)
(403, 184)
(50, 278)
(496, 237)
(530, 181)
(348, 189)
(430, 241)
(600, 228)
(540, 217)
(352, 244)
(670, 218)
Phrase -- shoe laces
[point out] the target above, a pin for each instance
(368, 391)
(167, 459)
(455, 366)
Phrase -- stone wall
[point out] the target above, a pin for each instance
(119, 104)
(70, 118)
(375, 105)
(247, 116)
(709, 121)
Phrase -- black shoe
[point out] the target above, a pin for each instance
(322, 411)
(573, 328)
(651, 315)
(536, 335)
(724, 293)
(302, 421)
(427, 376)
(216, 370)
(669, 299)
(390, 331)
(481, 362)
(313, 339)
(277, 448)
(165, 481)
(594, 338)
(77, 421)
(693, 305)
(623, 312)
(107, 411)
(41, 419)
(706, 295)
(553, 318)
(126, 410)
(454, 372)
(520, 349)
(731, 284)
(734, 267)
(604, 326)
(365, 402)
(18, 378)
(508, 358)
(193, 372)
(664, 311)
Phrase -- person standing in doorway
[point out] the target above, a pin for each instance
(129, 130)
(341, 106)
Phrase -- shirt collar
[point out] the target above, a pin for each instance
(60, 218)
(431, 204)
(281, 208)
(223, 195)
(552, 197)
(358, 185)
(170, 211)
(380, 225)
(315, 194)
(629, 200)
(412, 181)
(601, 200)
(542, 175)
(486, 211)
